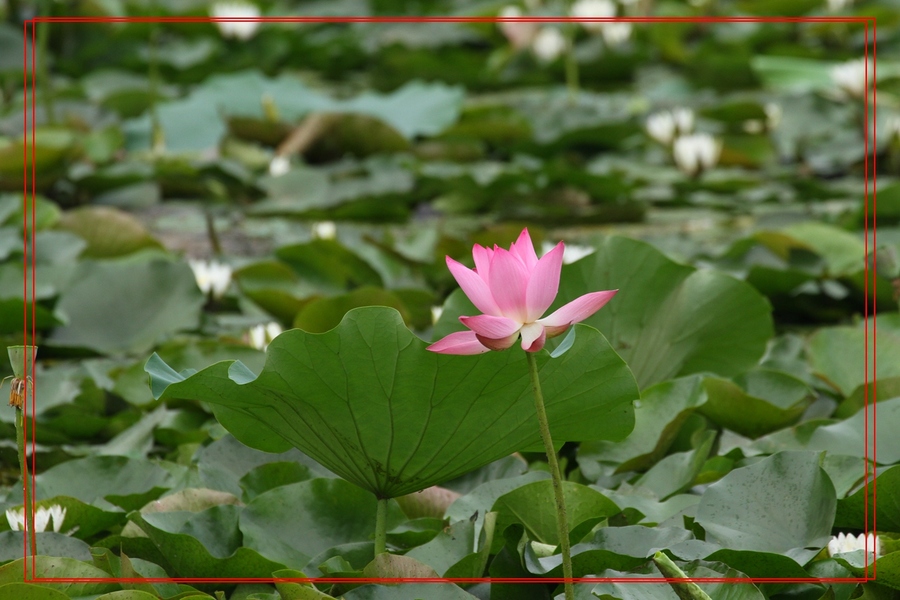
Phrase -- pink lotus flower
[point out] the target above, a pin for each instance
(513, 288)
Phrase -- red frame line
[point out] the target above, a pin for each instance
(460, 19)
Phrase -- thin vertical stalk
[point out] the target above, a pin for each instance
(572, 82)
(23, 465)
(562, 524)
(381, 527)
(43, 34)
(157, 144)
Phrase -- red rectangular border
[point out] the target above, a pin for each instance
(462, 19)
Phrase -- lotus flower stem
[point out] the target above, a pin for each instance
(22, 364)
(23, 464)
(381, 527)
(562, 522)
(43, 34)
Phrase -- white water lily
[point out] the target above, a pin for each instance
(838, 5)
(325, 230)
(848, 543)
(666, 125)
(242, 30)
(279, 166)
(696, 153)
(519, 35)
(893, 127)
(213, 278)
(261, 336)
(436, 312)
(616, 34)
(42, 518)
(593, 8)
(548, 44)
(773, 115)
(853, 77)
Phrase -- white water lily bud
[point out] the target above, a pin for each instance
(261, 336)
(213, 278)
(665, 126)
(893, 127)
(616, 34)
(242, 30)
(773, 115)
(548, 44)
(325, 230)
(838, 5)
(279, 166)
(593, 8)
(848, 543)
(696, 153)
(519, 35)
(853, 77)
(436, 312)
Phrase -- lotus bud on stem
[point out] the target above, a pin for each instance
(21, 358)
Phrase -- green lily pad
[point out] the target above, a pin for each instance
(781, 504)
(145, 299)
(755, 403)
(533, 505)
(108, 232)
(856, 436)
(829, 348)
(434, 407)
(204, 544)
(59, 568)
(853, 510)
(323, 513)
(658, 415)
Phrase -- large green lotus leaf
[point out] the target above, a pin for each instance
(755, 403)
(27, 591)
(322, 513)
(328, 264)
(698, 570)
(793, 74)
(127, 305)
(857, 435)
(611, 547)
(108, 232)
(192, 123)
(321, 314)
(204, 544)
(676, 472)
(853, 510)
(832, 351)
(409, 591)
(59, 568)
(369, 402)
(122, 481)
(658, 417)
(458, 550)
(667, 320)
(49, 543)
(534, 506)
(781, 504)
